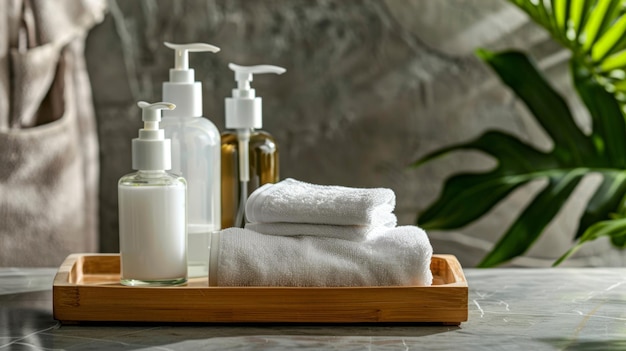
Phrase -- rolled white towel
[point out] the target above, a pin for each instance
(389, 257)
(298, 202)
(345, 232)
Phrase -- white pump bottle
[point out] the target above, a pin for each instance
(243, 118)
(152, 210)
(195, 154)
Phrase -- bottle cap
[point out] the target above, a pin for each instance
(151, 151)
(181, 88)
(244, 109)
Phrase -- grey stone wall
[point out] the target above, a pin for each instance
(370, 86)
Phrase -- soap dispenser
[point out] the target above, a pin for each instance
(152, 210)
(195, 154)
(249, 155)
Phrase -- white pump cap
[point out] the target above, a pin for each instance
(243, 109)
(151, 151)
(182, 90)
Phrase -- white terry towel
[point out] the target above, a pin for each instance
(298, 202)
(389, 257)
(346, 232)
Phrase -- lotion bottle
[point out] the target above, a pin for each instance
(249, 155)
(152, 210)
(195, 154)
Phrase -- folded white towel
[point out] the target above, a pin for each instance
(345, 232)
(389, 257)
(298, 202)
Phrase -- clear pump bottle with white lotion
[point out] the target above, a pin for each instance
(195, 154)
(249, 155)
(152, 210)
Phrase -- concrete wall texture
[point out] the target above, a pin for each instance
(371, 85)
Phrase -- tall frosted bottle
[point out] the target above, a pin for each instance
(152, 210)
(195, 154)
(249, 155)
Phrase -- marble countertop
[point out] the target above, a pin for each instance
(509, 309)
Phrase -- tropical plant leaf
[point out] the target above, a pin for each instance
(573, 155)
(616, 229)
(579, 13)
(537, 215)
(594, 30)
(609, 137)
(600, 18)
(614, 62)
(609, 128)
(604, 201)
(518, 164)
(610, 40)
(560, 10)
(620, 86)
(571, 145)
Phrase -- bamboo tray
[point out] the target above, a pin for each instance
(86, 289)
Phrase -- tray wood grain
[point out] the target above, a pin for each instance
(86, 288)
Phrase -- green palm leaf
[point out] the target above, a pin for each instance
(616, 229)
(594, 32)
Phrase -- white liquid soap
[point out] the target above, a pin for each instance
(152, 252)
(152, 210)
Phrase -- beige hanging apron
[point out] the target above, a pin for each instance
(48, 141)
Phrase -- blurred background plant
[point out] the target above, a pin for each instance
(593, 31)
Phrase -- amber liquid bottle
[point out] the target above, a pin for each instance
(249, 155)
(263, 160)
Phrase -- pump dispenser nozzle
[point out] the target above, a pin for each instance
(182, 89)
(151, 112)
(243, 74)
(244, 109)
(181, 58)
(244, 113)
(151, 151)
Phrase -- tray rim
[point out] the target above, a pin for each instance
(69, 297)
(62, 277)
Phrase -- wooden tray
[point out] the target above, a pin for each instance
(86, 289)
